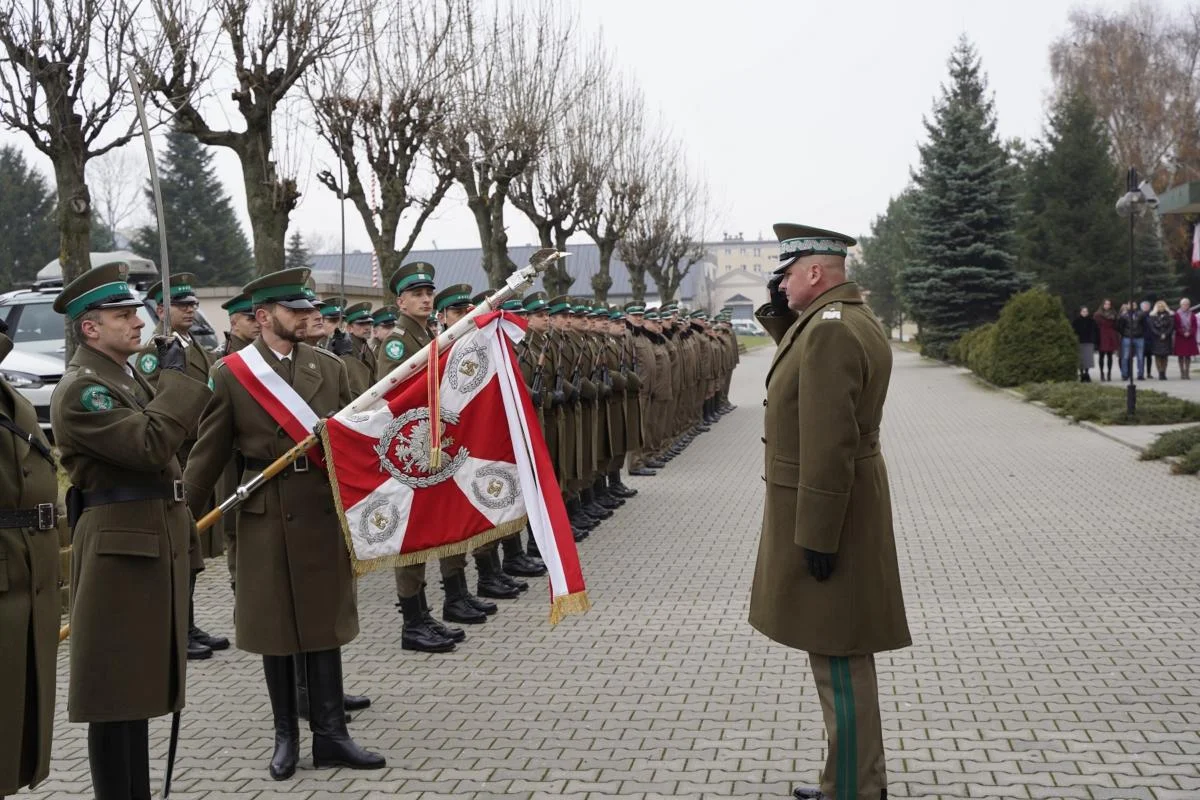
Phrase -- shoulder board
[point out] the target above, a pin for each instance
(328, 354)
(832, 311)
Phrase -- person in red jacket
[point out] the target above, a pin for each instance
(1110, 340)
(1186, 347)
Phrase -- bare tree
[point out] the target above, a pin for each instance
(689, 220)
(618, 184)
(647, 238)
(387, 103)
(268, 46)
(504, 105)
(117, 187)
(61, 86)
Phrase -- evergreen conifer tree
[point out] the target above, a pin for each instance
(963, 267)
(1071, 239)
(203, 233)
(28, 231)
(297, 254)
(1155, 276)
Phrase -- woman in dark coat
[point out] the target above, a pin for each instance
(1109, 341)
(1161, 329)
(1088, 334)
(1185, 338)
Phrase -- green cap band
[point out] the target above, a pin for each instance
(177, 290)
(331, 310)
(117, 290)
(512, 305)
(651, 315)
(356, 316)
(416, 277)
(636, 310)
(617, 314)
(452, 300)
(285, 292)
(559, 308)
(241, 305)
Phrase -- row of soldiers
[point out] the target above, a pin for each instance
(151, 437)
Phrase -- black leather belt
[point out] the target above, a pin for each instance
(43, 517)
(260, 464)
(131, 494)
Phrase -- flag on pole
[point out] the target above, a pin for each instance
(400, 503)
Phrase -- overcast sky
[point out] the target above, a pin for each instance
(801, 111)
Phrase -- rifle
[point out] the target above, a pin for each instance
(539, 373)
(561, 395)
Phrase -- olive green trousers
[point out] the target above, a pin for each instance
(848, 688)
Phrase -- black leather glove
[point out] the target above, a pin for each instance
(779, 303)
(536, 397)
(820, 565)
(171, 354)
(340, 344)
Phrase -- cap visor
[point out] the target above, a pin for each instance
(782, 268)
(297, 305)
(130, 303)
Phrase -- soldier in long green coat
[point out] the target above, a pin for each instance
(183, 305)
(30, 525)
(360, 366)
(119, 440)
(827, 579)
(243, 329)
(295, 594)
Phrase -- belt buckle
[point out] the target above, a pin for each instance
(300, 464)
(47, 518)
(177, 491)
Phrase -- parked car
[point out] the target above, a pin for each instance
(34, 375)
(747, 327)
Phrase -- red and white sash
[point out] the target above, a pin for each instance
(275, 395)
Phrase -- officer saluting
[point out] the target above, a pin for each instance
(295, 591)
(29, 541)
(827, 579)
(118, 439)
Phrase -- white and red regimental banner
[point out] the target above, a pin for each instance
(404, 502)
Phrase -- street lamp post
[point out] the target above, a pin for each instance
(1138, 196)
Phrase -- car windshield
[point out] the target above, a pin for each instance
(37, 322)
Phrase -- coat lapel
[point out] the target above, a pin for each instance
(842, 293)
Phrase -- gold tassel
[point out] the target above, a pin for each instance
(576, 603)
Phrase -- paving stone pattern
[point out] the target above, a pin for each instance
(1051, 583)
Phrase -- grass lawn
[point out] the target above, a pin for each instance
(754, 342)
(1091, 402)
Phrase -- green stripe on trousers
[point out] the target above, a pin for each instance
(843, 706)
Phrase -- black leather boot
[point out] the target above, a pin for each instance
(531, 545)
(332, 745)
(108, 757)
(418, 634)
(655, 463)
(617, 486)
(354, 702)
(579, 521)
(139, 759)
(590, 506)
(457, 607)
(197, 651)
(280, 673)
(642, 472)
(518, 563)
(505, 578)
(603, 498)
(490, 584)
(194, 632)
(453, 634)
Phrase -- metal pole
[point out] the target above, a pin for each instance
(342, 294)
(1131, 389)
(164, 264)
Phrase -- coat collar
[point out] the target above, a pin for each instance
(842, 293)
(304, 375)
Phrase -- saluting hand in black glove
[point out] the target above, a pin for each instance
(340, 344)
(779, 302)
(820, 565)
(171, 354)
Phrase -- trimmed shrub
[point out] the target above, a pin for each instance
(1034, 342)
(1089, 402)
(1172, 443)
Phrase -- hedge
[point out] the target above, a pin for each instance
(1032, 342)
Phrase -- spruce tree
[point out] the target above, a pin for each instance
(203, 233)
(1155, 276)
(28, 231)
(297, 254)
(963, 268)
(885, 255)
(1071, 239)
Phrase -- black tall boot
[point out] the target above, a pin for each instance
(531, 545)
(108, 757)
(602, 495)
(490, 584)
(617, 486)
(354, 702)
(418, 634)
(579, 521)
(332, 745)
(455, 635)
(505, 578)
(519, 563)
(590, 506)
(280, 673)
(194, 633)
(458, 607)
(139, 758)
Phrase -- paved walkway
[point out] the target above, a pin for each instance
(1052, 589)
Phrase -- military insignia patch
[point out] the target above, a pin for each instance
(148, 363)
(96, 398)
(394, 350)
(831, 313)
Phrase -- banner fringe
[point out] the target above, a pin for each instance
(501, 531)
(576, 603)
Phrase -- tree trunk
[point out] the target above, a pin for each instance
(501, 263)
(602, 281)
(557, 279)
(389, 262)
(269, 201)
(74, 221)
(637, 283)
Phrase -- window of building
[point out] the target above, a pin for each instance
(743, 252)
(728, 251)
(758, 251)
